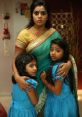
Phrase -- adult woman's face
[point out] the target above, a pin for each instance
(40, 16)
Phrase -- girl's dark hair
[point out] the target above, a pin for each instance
(39, 3)
(64, 45)
(70, 79)
(21, 61)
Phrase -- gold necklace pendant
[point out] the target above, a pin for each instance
(38, 32)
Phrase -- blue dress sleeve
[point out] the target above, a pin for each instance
(54, 73)
(33, 82)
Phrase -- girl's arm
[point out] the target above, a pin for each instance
(19, 79)
(32, 95)
(56, 88)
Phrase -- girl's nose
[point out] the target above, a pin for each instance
(53, 52)
(35, 68)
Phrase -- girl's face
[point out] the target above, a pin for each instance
(31, 68)
(56, 52)
(40, 16)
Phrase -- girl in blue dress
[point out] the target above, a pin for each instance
(60, 100)
(23, 102)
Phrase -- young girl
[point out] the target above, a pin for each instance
(60, 100)
(23, 102)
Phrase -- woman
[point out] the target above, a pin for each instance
(36, 39)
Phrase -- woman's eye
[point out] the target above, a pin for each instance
(36, 12)
(40, 12)
(43, 12)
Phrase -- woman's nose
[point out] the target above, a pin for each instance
(39, 15)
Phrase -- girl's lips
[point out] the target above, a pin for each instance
(34, 73)
(53, 57)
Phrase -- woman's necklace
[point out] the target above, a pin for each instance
(39, 32)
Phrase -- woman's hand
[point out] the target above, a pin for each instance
(64, 69)
(21, 81)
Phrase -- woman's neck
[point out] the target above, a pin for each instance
(39, 27)
(38, 30)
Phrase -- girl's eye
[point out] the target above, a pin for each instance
(57, 51)
(51, 49)
(31, 65)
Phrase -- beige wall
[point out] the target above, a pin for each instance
(16, 23)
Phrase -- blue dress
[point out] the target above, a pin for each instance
(21, 105)
(63, 105)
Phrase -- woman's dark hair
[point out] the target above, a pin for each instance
(64, 45)
(21, 61)
(39, 3)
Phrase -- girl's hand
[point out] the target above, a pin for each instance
(43, 75)
(64, 69)
(21, 81)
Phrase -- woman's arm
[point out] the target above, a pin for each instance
(32, 95)
(56, 88)
(64, 68)
(19, 79)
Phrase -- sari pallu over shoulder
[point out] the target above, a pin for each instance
(40, 40)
